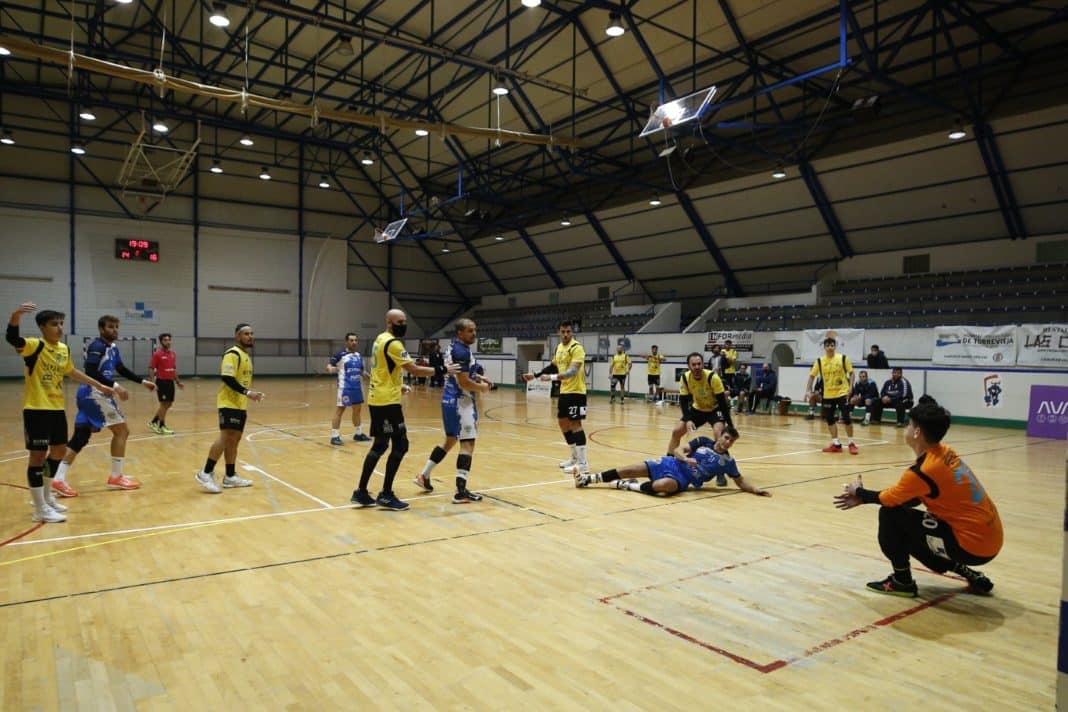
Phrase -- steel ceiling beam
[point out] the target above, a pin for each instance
(826, 209)
(734, 287)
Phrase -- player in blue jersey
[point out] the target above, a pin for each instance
(348, 365)
(97, 411)
(459, 412)
(693, 464)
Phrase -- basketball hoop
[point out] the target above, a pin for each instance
(379, 235)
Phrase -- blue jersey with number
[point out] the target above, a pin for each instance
(459, 353)
(106, 359)
(349, 370)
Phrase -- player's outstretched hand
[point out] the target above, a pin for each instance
(255, 396)
(120, 392)
(849, 497)
(149, 385)
(528, 377)
(761, 492)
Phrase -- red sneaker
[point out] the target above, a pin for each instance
(122, 482)
(63, 489)
(833, 448)
(853, 449)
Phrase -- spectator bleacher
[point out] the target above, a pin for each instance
(1006, 295)
(540, 321)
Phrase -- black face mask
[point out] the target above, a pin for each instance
(398, 329)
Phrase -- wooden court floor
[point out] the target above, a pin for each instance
(542, 596)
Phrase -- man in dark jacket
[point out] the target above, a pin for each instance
(897, 394)
(764, 389)
(876, 358)
(865, 394)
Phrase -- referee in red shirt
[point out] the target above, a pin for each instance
(163, 368)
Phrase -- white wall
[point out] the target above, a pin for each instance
(947, 258)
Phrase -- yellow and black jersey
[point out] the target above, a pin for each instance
(565, 356)
(45, 366)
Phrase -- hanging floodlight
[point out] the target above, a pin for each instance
(323, 182)
(246, 140)
(77, 148)
(265, 174)
(531, 3)
(218, 16)
(344, 45)
(7, 138)
(4, 51)
(615, 25)
(565, 222)
(124, 2)
(159, 127)
(958, 132)
(779, 173)
(86, 114)
(216, 167)
(367, 160)
(656, 202)
(422, 132)
(499, 87)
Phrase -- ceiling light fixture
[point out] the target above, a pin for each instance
(656, 202)
(77, 148)
(499, 87)
(265, 174)
(216, 167)
(218, 15)
(615, 25)
(160, 127)
(531, 3)
(86, 114)
(124, 2)
(367, 160)
(565, 222)
(445, 249)
(246, 140)
(422, 132)
(344, 45)
(779, 173)
(323, 182)
(4, 51)
(500, 238)
(6, 138)
(958, 132)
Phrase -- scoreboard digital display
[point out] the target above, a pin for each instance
(136, 249)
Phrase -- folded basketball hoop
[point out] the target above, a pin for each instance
(679, 111)
(391, 232)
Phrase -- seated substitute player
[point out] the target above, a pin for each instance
(865, 395)
(459, 412)
(960, 528)
(348, 365)
(47, 361)
(97, 411)
(702, 400)
(741, 385)
(692, 465)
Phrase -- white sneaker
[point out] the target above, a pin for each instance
(207, 481)
(581, 479)
(47, 514)
(568, 463)
(51, 502)
(236, 481)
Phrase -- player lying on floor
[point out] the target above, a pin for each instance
(694, 464)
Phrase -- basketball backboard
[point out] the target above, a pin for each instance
(392, 230)
(679, 111)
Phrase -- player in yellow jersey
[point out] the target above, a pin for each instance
(232, 400)
(621, 365)
(652, 372)
(702, 400)
(389, 361)
(568, 367)
(730, 363)
(47, 361)
(837, 374)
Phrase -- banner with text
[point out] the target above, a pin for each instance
(1042, 345)
(974, 345)
(850, 343)
(741, 341)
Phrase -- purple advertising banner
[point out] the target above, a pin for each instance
(1047, 416)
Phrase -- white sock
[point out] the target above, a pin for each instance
(850, 441)
(116, 466)
(837, 442)
(61, 472)
(335, 433)
(38, 497)
(462, 475)
(632, 486)
(430, 465)
(574, 453)
(47, 489)
(359, 430)
(580, 454)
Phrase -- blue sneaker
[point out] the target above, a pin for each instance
(361, 438)
(336, 441)
(388, 500)
(361, 498)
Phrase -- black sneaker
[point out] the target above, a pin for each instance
(465, 497)
(721, 481)
(977, 582)
(361, 438)
(423, 483)
(891, 586)
(388, 500)
(361, 498)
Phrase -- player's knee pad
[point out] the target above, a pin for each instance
(463, 461)
(399, 443)
(380, 445)
(80, 438)
(828, 414)
(580, 438)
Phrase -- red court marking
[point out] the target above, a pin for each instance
(31, 530)
(775, 664)
(8, 484)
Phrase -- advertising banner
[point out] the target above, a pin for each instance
(850, 343)
(974, 345)
(1047, 416)
(1042, 345)
(742, 341)
(489, 345)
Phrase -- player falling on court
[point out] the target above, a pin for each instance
(702, 400)
(97, 411)
(692, 465)
(459, 412)
(348, 365)
(163, 369)
(568, 367)
(46, 361)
